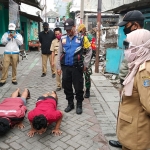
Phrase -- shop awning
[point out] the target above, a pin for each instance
(142, 4)
(31, 17)
(34, 3)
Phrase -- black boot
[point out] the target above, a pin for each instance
(87, 93)
(79, 108)
(70, 106)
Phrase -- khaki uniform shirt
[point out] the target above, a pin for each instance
(133, 126)
(55, 46)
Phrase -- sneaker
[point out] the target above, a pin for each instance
(43, 75)
(58, 89)
(53, 75)
(14, 82)
(1, 84)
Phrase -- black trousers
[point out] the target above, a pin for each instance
(73, 76)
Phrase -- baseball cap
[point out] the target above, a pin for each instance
(11, 26)
(69, 23)
(134, 15)
(4, 126)
(80, 27)
(45, 24)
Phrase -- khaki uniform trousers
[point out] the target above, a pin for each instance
(58, 78)
(13, 58)
(44, 63)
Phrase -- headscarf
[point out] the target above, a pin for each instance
(137, 54)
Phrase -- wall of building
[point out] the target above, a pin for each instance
(4, 20)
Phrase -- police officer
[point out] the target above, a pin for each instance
(87, 73)
(133, 117)
(70, 61)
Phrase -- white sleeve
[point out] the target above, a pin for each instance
(5, 39)
(19, 39)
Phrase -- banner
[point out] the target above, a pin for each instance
(14, 16)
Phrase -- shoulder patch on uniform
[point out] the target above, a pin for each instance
(146, 82)
(142, 67)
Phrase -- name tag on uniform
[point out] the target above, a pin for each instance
(142, 67)
(146, 83)
(63, 41)
(78, 41)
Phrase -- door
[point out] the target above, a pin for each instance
(113, 60)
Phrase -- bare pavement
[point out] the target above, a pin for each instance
(89, 131)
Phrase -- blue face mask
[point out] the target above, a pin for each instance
(12, 31)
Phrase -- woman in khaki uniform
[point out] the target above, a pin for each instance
(133, 126)
(54, 48)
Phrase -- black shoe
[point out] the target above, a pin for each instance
(43, 75)
(69, 108)
(1, 84)
(87, 93)
(53, 75)
(115, 144)
(58, 89)
(14, 82)
(79, 110)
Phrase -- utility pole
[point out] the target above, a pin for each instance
(45, 10)
(81, 11)
(98, 35)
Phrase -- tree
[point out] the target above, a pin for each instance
(68, 7)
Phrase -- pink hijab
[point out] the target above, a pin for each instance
(137, 54)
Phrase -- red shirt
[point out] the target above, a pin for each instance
(47, 108)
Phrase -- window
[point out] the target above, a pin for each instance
(51, 20)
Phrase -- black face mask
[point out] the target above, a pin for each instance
(127, 30)
(45, 29)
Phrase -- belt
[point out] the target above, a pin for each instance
(11, 52)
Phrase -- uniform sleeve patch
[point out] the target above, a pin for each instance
(146, 83)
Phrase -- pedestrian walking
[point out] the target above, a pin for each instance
(12, 111)
(44, 114)
(133, 116)
(12, 40)
(57, 22)
(70, 61)
(87, 73)
(46, 37)
(54, 48)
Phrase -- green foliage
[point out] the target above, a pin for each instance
(68, 7)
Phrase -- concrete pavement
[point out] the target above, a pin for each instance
(89, 131)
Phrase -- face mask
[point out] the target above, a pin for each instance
(127, 30)
(58, 37)
(12, 31)
(45, 29)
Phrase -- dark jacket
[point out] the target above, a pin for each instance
(46, 40)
